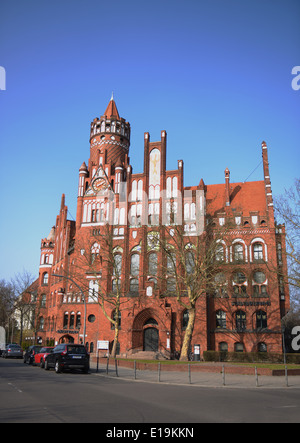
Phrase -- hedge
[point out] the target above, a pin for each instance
(250, 357)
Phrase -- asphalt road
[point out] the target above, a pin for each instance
(33, 395)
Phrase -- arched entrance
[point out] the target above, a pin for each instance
(145, 331)
(66, 339)
(151, 339)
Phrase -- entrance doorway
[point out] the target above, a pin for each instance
(151, 338)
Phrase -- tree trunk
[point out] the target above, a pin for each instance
(188, 335)
(116, 340)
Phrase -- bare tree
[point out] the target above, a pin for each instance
(191, 265)
(102, 259)
(23, 310)
(287, 210)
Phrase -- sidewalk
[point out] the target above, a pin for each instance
(198, 379)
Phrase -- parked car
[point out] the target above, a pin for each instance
(68, 356)
(30, 353)
(12, 350)
(39, 358)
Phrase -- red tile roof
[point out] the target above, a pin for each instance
(244, 197)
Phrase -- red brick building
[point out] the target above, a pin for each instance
(242, 314)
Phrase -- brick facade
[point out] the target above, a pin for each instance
(244, 312)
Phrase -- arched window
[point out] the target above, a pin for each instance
(135, 265)
(152, 263)
(117, 265)
(258, 251)
(239, 282)
(238, 347)
(95, 249)
(238, 252)
(185, 319)
(134, 286)
(262, 347)
(116, 285)
(66, 320)
(259, 284)
(72, 320)
(220, 285)
(171, 285)
(261, 320)
(240, 318)
(223, 346)
(220, 253)
(220, 319)
(41, 323)
(45, 278)
(43, 301)
(78, 320)
(189, 262)
(151, 321)
(171, 263)
(113, 316)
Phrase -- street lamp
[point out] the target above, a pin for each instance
(84, 301)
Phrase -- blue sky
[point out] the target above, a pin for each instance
(216, 75)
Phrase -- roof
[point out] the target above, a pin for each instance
(111, 110)
(244, 197)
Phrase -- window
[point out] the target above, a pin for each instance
(258, 251)
(116, 285)
(220, 319)
(152, 264)
(223, 346)
(66, 320)
(42, 323)
(240, 317)
(72, 320)
(185, 319)
(135, 265)
(220, 285)
(95, 249)
(238, 251)
(238, 347)
(45, 278)
(239, 284)
(189, 262)
(134, 286)
(262, 347)
(171, 285)
(78, 320)
(261, 320)
(43, 301)
(220, 253)
(259, 284)
(117, 265)
(114, 317)
(91, 318)
(171, 263)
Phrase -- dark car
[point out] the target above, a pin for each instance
(68, 356)
(13, 351)
(30, 353)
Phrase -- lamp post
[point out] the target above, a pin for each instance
(84, 301)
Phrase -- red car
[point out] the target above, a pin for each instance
(39, 358)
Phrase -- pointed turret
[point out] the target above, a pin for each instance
(112, 110)
(110, 137)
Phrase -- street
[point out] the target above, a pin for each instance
(32, 395)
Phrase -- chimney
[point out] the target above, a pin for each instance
(227, 190)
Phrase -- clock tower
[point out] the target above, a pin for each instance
(109, 147)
